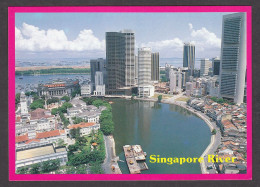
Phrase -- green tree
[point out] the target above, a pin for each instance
(66, 98)
(159, 98)
(98, 103)
(23, 170)
(81, 169)
(213, 132)
(35, 168)
(96, 168)
(17, 98)
(53, 100)
(54, 111)
(107, 129)
(75, 132)
(39, 103)
(60, 142)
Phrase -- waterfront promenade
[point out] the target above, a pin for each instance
(215, 139)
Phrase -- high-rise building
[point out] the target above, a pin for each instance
(189, 57)
(155, 67)
(97, 65)
(173, 79)
(144, 66)
(145, 88)
(23, 103)
(233, 57)
(136, 69)
(120, 61)
(215, 65)
(205, 65)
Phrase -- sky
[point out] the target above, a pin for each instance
(82, 35)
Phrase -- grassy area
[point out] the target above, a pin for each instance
(163, 96)
(182, 99)
(54, 71)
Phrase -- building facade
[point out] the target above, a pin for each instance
(58, 88)
(215, 66)
(233, 57)
(97, 65)
(189, 57)
(155, 67)
(120, 58)
(205, 65)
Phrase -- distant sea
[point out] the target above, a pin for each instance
(177, 62)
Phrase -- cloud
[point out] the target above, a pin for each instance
(204, 39)
(31, 38)
(176, 44)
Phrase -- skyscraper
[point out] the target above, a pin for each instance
(155, 68)
(189, 57)
(144, 66)
(145, 88)
(205, 64)
(215, 65)
(120, 58)
(97, 65)
(233, 57)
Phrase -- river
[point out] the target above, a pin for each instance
(161, 129)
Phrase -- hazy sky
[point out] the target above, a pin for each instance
(82, 35)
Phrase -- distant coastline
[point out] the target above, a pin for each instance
(49, 70)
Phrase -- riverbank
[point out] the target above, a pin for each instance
(215, 139)
(110, 165)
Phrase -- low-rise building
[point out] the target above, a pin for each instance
(85, 128)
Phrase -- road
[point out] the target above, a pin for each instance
(107, 162)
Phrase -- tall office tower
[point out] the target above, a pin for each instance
(179, 81)
(233, 57)
(99, 78)
(155, 68)
(115, 61)
(205, 64)
(144, 66)
(215, 65)
(173, 81)
(136, 69)
(23, 102)
(129, 57)
(99, 84)
(145, 88)
(120, 61)
(189, 57)
(97, 65)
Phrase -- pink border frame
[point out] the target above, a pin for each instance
(123, 9)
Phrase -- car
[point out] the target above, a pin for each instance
(209, 167)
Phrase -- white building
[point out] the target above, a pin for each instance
(99, 84)
(23, 103)
(86, 89)
(145, 88)
(173, 79)
(205, 65)
(29, 156)
(233, 57)
(85, 128)
(189, 88)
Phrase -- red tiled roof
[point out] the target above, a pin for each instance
(32, 140)
(39, 113)
(18, 119)
(22, 138)
(47, 134)
(81, 125)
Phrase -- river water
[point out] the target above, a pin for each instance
(161, 129)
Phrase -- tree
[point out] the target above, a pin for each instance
(96, 168)
(75, 132)
(17, 98)
(23, 170)
(67, 105)
(213, 132)
(107, 129)
(53, 100)
(77, 120)
(60, 142)
(66, 98)
(81, 169)
(37, 104)
(35, 168)
(98, 103)
(54, 111)
(159, 98)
